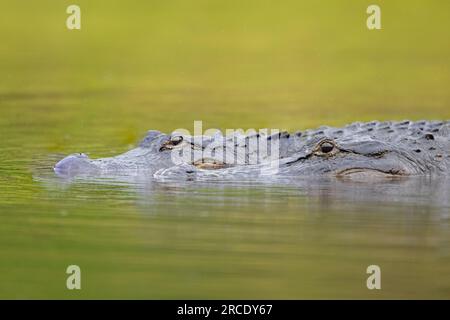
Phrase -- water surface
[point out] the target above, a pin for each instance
(141, 65)
(135, 237)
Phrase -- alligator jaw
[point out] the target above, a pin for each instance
(369, 173)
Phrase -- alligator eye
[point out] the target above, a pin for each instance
(326, 147)
(176, 140)
(168, 145)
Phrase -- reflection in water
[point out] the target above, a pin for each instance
(429, 192)
(135, 237)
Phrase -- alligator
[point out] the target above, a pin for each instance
(359, 150)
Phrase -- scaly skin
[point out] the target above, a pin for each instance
(361, 150)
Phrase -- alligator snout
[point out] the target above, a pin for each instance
(75, 164)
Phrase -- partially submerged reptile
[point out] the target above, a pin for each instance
(363, 150)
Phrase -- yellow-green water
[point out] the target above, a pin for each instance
(139, 65)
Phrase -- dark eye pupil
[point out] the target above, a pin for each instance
(176, 140)
(326, 147)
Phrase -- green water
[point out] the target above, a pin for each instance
(140, 65)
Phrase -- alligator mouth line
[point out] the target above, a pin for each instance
(210, 164)
(370, 173)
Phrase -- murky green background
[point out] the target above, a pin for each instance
(139, 65)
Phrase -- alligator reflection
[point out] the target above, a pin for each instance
(415, 192)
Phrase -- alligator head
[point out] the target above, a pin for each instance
(359, 150)
(356, 158)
